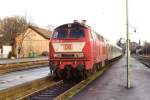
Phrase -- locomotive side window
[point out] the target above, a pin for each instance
(93, 34)
(99, 37)
(77, 33)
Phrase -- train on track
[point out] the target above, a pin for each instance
(76, 50)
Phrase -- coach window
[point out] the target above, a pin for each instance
(102, 38)
(97, 36)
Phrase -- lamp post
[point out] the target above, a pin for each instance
(127, 36)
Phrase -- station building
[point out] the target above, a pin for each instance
(33, 42)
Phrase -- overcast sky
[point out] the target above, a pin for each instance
(105, 16)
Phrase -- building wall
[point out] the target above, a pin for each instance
(6, 50)
(33, 42)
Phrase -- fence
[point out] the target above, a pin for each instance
(5, 51)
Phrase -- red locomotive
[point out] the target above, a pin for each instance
(75, 50)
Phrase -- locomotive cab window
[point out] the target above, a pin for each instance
(77, 33)
(60, 34)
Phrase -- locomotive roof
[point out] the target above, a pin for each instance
(71, 25)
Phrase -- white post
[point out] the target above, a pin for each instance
(127, 31)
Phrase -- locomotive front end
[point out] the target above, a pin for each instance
(68, 53)
(68, 50)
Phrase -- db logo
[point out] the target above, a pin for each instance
(67, 46)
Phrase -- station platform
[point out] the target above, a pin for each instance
(20, 60)
(19, 77)
(112, 84)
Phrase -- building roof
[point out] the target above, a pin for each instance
(44, 32)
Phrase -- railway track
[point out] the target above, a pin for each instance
(24, 90)
(65, 90)
(48, 89)
(6, 68)
(144, 60)
(52, 92)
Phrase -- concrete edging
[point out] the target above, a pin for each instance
(20, 91)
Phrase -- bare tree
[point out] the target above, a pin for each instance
(50, 27)
(21, 37)
(11, 27)
(119, 42)
(146, 48)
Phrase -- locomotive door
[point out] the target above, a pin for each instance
(94, 46)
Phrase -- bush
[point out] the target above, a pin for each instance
(45, 53)
(11, 54)
(33, 54)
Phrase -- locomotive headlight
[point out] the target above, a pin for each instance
(57, 55)
(79, 55)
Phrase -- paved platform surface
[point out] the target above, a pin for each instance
(112, 85)
(10, 61)
(19, 77)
